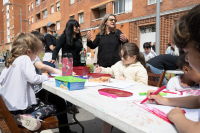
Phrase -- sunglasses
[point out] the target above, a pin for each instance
(111, 20)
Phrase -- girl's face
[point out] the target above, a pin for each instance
(76, 29)
(128, 60)
(111, 22)
(194, 75)
(192, 56)
(31, 54)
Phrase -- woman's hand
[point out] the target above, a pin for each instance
(88, 36)
(174, 112)
(120, 78)
(158, 99)
(52, 61)
(123, 37)
(83, 52)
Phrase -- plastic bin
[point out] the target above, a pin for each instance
(81, 70)
(70, 83)
(98, 77)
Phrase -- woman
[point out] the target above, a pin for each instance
(70, 42)
(108, 39)
(50, 44)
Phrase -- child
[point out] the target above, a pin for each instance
(188, 82)
(148, 54)
(17, 81)
(131, 68)
(186, 36)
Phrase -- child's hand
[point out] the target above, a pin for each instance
(158, 99)
(45, 74)
(73, 73)
(120, 78)
(98, 69)
(174, 112)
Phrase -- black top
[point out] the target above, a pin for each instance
(164, 62)
(108, 51)
(154, 48)
(50, 40)
(75, 49)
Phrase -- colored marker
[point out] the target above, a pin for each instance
(155, 93)
(46, 72)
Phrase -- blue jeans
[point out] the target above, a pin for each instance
(157, 71)
(49, 64)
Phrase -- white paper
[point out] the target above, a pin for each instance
(54, 75)
(191, 114)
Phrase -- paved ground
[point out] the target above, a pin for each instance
(91, 123)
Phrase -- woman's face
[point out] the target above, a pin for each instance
(111, 22)
(76, 29)
(192, 56)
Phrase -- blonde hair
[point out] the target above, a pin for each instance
(21, 43)
(102, 27)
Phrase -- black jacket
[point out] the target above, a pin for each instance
(108, 51)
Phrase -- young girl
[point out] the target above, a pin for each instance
(188, 82)
(132, 67)
(148, 53)
(17, 81)
(186, 36)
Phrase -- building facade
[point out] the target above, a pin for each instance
(135, 18)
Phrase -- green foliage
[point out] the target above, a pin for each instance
(91, 68)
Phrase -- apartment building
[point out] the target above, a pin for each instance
(136, 18)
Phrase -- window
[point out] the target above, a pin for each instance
(102, 12)
(29, 21)
(122, 6)
(32, 5)
(58, 25)
(58, 6)
(78, 0)
(32, 20)
(38, 17)
(52, 9)
(150, 2)
(71, 17)
(43, 0)
(71, 1)
(81, 18)
(37, 2)
(44, 13)
(29, 8)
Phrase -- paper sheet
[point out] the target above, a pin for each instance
(54, 75)
(191, 114)
(113, 83)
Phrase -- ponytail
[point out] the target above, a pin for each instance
(131, 49)
(141, 59)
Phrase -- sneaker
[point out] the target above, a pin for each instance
(28, 121)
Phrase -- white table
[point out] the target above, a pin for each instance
(124, 115)
(175, 71)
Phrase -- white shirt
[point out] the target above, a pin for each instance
(174, 84)
(17, 84)
(36, 59)
(150, 55)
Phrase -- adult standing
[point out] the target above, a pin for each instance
(6, 55)
(70, 42)
(109, 40)
(50, 44)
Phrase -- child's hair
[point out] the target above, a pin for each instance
(131, 49)
(21, 43)
(39, 36)
(187, 29)
(147, 45)
(181, 62)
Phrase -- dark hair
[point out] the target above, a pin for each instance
(181, 52)
(69, 32)
(172, 48)
(131, 49)
(39, 36)
(187, 29)
(147, 45)
(181, 62)
(169, 44)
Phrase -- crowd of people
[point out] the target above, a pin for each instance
(116, 56)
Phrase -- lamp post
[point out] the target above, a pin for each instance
(20, 12)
